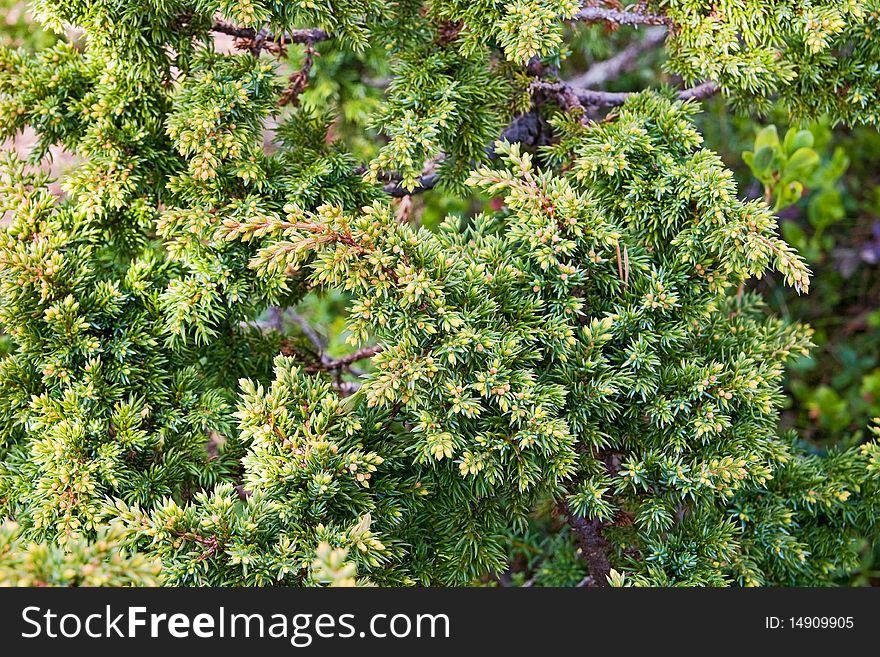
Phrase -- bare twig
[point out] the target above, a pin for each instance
(345, 361)
(297, 81)
(309, 331)
(569, 97)
(611, 68)
(274, 318)
(256, 40)
(623, 263)
(306, 35)
(699, 92)
(318, 342)
(404, 211)
(618, 17)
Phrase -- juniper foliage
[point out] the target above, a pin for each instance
(579, 367)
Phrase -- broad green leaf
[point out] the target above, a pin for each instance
(764, 159)
(796, 139)
(801, 162)
(766, 137)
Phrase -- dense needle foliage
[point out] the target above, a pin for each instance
(562, 352)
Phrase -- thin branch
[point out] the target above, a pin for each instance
(306, 35)
(308, 331)
(699, 92)
(594, 547)
(618, 17)
(346, 361)
(274, 318)
(595, 98)
(298, 80)
(569, 97)
(611, 68)
(558, 93)
(255, 40)
(320, 344)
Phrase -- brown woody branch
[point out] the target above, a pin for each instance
(699, 92)
(569, 97)
(346, 361)
(323, 363)
(309, 331)
(297, 81)
(611, 68)
(306, 35)
(594, 547)
(211, 544)
(619, 17)
(256, 40)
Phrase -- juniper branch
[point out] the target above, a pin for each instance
(256, 40)
(305, 35)
(346, 361)
(699, 92)
(619, 17)
(569, 97)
